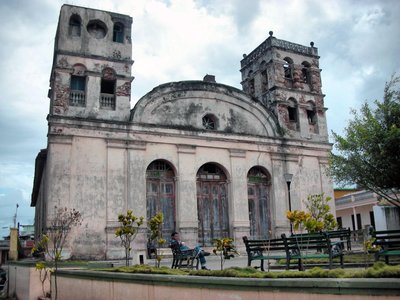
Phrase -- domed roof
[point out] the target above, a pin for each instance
(202, 105)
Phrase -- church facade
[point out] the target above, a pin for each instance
(216, 160)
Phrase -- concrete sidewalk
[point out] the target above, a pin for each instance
(213, 262)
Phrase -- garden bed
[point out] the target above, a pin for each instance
(378, 270)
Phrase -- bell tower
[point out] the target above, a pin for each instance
(91, 72)
(285, 77)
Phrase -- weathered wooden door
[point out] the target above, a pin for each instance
(212, 204)
(258, 184)
(160, 194)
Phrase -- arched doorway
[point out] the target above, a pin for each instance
(212, 204)
(160, 194)
(258, 191)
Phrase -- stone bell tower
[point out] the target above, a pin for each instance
(91, 72)
(285, 77)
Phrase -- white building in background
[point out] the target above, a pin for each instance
(355, 210)
(211, 157)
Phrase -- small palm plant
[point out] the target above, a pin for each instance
(370, 248)
(155, 227)
(225, 249)
(128, 231)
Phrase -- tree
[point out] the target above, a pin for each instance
(318, 216)
(56, 235)
(368, 154)
(127, 231)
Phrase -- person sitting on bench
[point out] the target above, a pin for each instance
(199, 252)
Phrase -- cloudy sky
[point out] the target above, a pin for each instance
(358, 41)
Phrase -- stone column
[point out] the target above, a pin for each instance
(186, 197)
(238, 206)
(13, 252)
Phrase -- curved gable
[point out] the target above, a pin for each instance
(185, 104)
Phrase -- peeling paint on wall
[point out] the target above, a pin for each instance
(124, 90)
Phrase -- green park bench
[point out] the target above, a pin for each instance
(312, 246)
(264, 249)
(389, 243)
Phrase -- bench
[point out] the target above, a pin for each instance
(389, 242)
(264, 250)
(183, 259)
(336, 236)
(307, 246)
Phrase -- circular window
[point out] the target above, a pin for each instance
(210, 122)
(97, 29)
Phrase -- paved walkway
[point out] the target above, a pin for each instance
(214, 262)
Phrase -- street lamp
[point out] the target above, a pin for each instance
(288, 179)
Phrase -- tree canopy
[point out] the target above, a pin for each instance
(368, 154)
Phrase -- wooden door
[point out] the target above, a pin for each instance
(212, 205)
(160, 195)
(258, 200)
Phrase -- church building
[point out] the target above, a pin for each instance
(216, 160)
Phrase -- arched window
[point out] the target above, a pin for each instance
(97, 29)
(160, 194)
(311, 113)
(250, 83)
(264, 76)
(288, 67)
(77, 95)
(107, 89)
(210, 122)
(258, 192)
(306, 72)
(75, 25)
(292, 110)
(118, 33)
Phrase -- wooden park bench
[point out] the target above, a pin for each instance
(264, 249)
(306, 246)
(183, 259)
(389, 242)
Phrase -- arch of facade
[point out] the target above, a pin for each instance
(184, 104)
(212, 203)
(259, 201)
(161, 193)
